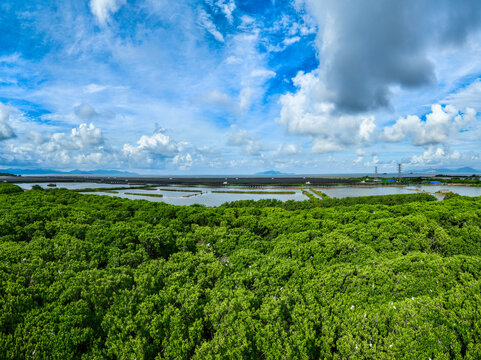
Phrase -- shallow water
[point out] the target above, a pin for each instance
(208, 198)
(72, 185)
(342, 192)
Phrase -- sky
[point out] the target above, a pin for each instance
(240, 86)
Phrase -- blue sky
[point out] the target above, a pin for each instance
(238, 87)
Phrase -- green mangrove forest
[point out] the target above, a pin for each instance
(98, 277)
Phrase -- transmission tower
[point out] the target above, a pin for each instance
(399, 172)
(375, 173)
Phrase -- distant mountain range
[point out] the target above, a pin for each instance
(73, 172)
(272, 172)
(463, 170)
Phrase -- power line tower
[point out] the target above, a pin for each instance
(399, 172)
(375, 173)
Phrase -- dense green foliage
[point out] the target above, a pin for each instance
(6, 188)
(309, 195)
(320, 193)
(315, 202)
(97, 277)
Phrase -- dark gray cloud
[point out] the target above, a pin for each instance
(368, 46)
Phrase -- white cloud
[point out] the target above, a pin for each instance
(440, 125)
(263, 74)
(206, 22)
(231, 60)
(10, 59)
(94, 88)
(152, 150)
(435, 155)
(307, 112)
(245, 98)
(219, 98)
(469, 96)
(84, 137)
(85, 111)
(158, 143)
(102, 9)
(82, 147)
(244, 140)
(227, 7)
(288, 149)
(292, 40)
(6, 131)
(183, 161)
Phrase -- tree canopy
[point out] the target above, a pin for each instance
(97, 277)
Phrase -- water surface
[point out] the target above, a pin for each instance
(208, 198)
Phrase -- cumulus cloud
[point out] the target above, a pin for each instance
(435, 155)
(302, 113)
(152, 149)
(103, 9)
(84, 137)
(183, 161)
(82, 147)
(439, 126)
(368, 47)
(6, 131)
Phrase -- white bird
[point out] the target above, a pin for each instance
(352, 307)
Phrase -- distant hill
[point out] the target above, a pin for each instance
(73, 172)
(462, 170)
(272, 172)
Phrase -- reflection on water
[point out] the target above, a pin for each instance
(185, 197)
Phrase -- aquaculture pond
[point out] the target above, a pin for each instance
(215, 196)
